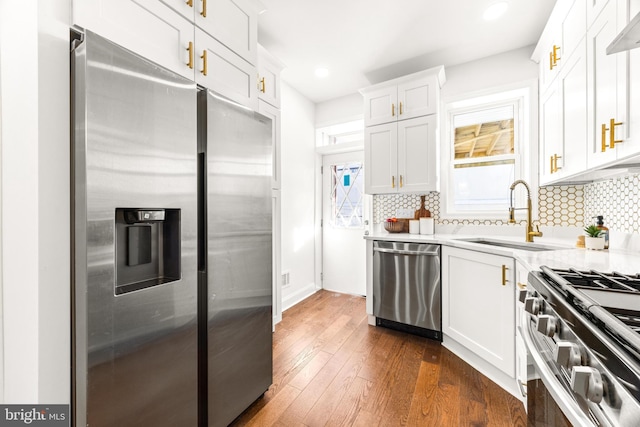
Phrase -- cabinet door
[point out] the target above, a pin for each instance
(381, 106)
(380, 157)
(417, 98)
(594, 8)
(224, 72)
(607, 78)
(417, 162)
(572, 85)
(268, 78)
(150, 28)
(234, 23)
(274, 114)
(550, 132)
(477, 305)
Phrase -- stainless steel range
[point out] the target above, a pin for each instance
(582, 330)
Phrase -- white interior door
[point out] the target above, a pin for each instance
(344, 212)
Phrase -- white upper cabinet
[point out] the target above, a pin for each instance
(234, 23)
(151, 28)
(563, 120)
(562, 35)
(403, 98)
(399, 157)
(268, 84)
(610, 96)
(613, 88)
(213, 42)
(401, 124)
(224, 72)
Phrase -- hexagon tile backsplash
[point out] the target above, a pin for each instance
(618, 200)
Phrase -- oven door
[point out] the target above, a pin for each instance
(550, 402)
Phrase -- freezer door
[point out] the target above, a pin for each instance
(237, 144)
(135, 246)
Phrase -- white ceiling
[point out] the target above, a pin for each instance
(363, 42)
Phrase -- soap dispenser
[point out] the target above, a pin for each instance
(603, 230)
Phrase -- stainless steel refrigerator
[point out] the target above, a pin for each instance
(236, 286)
(140, 357)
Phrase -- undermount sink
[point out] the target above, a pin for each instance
(512, 245)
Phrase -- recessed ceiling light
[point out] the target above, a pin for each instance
(322, 72)
(495, 11)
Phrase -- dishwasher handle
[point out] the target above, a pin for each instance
(405, 252)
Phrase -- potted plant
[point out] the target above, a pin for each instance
(594, 239)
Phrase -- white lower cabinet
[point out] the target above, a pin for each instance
(522, 359)
(478, 310)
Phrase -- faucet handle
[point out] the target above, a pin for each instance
(536, 233)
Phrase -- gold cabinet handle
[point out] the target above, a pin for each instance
(401, 181)
(551, 165)
(554, 55)
(551, 60)
(555, 163)
(204, 9)
(393, 110)
(263, 86)
(522, 285)
(204, 62)
(190, 3)
(393, 182)
(604, 137)
(400, 108)
(190, 50)
(612, 133)
(504, 275)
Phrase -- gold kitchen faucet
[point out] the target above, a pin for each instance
(529, 233)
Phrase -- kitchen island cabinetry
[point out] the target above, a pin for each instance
(478, 305)
(400, 139)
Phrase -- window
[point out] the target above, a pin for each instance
(347, 191)
(484, 151)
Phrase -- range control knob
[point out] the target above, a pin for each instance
(567, 354)
(532, 305)
(547, 325)
(587, 382)
(523, 294)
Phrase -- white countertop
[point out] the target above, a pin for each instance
(622, 261)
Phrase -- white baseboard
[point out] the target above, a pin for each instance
(292, 299)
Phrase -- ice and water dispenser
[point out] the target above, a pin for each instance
(147, 248)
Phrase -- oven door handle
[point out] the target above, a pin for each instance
(564, 400)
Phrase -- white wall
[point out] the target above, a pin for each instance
(340, 110)
(298, 195)
(34, 84)
(498, 70)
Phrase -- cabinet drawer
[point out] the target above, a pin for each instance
(226, 73)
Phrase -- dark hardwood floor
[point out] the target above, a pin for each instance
(331, 368)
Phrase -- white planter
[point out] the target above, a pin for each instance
(595, 243)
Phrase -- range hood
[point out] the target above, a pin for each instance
(629, 37)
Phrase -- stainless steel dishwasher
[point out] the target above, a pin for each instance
(406, 287)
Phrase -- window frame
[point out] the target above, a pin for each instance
(524, 95)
